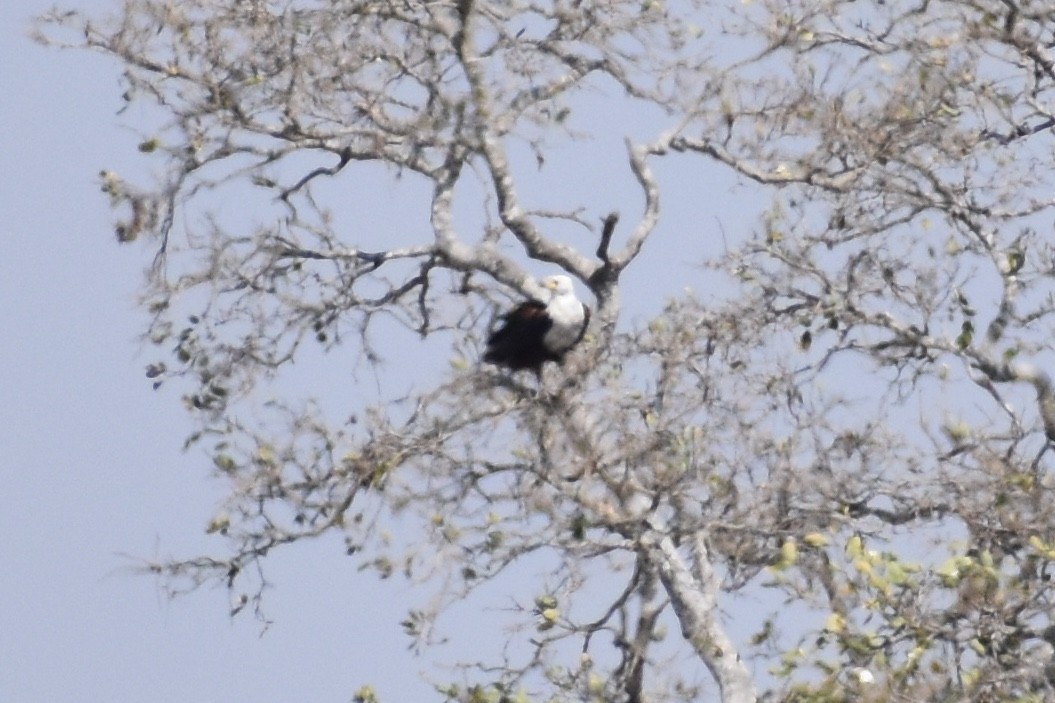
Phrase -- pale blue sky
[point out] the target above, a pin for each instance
(90, 461)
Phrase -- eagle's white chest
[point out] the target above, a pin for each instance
(568, 317)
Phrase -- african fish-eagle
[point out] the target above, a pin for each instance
(538, 331)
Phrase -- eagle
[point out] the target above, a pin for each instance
(537, 331)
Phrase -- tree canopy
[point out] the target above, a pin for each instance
(825, 477)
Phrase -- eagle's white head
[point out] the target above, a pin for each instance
(566, 311)
(558, 285)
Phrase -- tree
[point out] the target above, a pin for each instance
(850, 432)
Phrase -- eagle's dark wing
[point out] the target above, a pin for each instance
(517, 343)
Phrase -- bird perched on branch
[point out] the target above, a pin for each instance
(537, 331)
